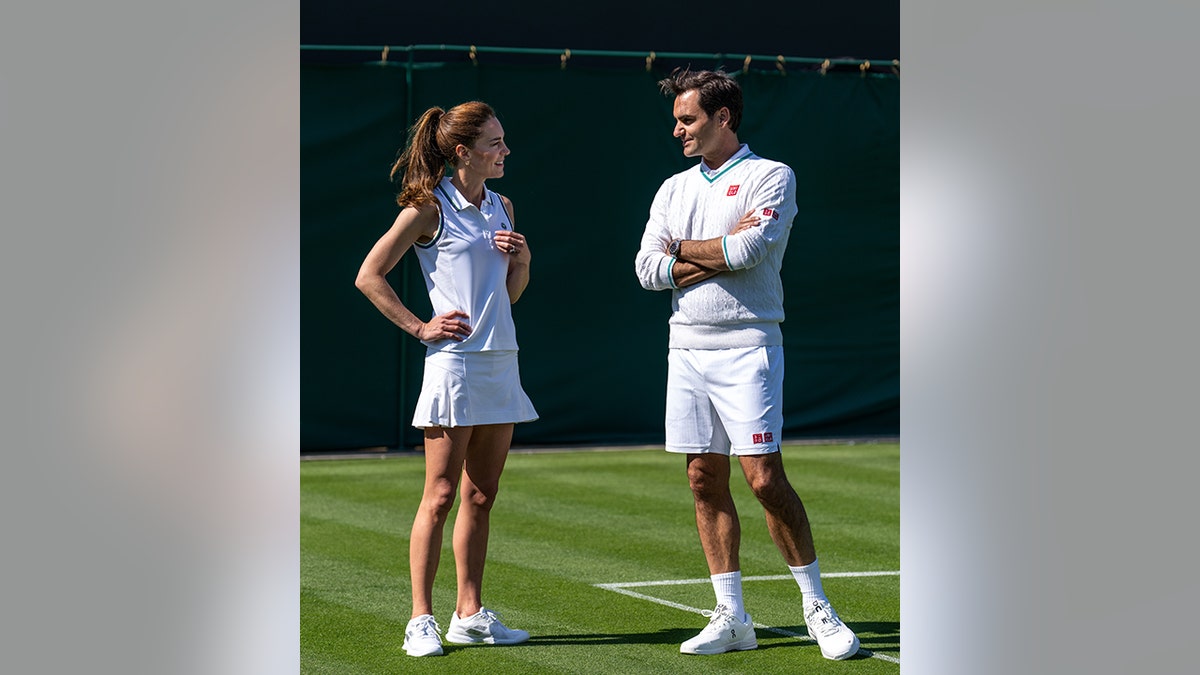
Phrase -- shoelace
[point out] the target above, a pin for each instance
(719, 616)
(824, 620)
(495, 625)
(428, 627)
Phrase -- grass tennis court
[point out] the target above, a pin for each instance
(595, 553)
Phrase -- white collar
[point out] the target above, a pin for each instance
(457, 200)
(742, 151)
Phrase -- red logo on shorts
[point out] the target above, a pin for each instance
(732, 190)
(771, 212)
(758, 438)
(768, 437)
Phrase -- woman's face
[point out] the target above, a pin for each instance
(488, 153)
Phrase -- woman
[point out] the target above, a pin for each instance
(475, 266)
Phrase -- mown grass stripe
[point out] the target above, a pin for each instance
(567, 519)
(623, 589)
(770, 577)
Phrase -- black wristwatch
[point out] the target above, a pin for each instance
(673, 247)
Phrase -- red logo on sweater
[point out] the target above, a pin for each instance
(732, 190)
(771, 212)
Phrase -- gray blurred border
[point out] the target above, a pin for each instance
(1048, 336)
(149, 276)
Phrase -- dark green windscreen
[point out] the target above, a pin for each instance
(589, 150)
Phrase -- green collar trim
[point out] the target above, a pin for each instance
(722, 172)
(451, 198)
(458, 201)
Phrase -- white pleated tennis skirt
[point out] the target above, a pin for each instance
(466, 389)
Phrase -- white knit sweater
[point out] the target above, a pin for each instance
(744, 306)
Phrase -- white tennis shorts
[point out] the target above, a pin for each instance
(725, 401)
(466, 389)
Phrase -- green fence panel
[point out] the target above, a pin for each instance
(589, 149)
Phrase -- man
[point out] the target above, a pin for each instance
(716, 238)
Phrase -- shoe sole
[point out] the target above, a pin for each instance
(736, 647)
(853, 650)
(436, 652)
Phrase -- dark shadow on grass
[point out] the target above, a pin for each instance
(660, 637)
(875, 637)
(881, 637)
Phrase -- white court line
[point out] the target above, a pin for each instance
(772, 577)
(623, 589)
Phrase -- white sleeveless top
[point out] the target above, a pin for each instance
(465, 271)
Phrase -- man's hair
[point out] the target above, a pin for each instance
(716, 88)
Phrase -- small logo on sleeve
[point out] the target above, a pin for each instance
(767, 437)
(732, 190)
(772, 213)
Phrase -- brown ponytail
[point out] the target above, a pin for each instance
(419, 167)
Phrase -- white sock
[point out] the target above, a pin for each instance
(728, 587)
(809, 578)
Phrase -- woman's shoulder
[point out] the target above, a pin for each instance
(424, 211)
(425, 217)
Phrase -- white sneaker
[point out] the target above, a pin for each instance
(483, 627)
(837, 641)
(421, 637)
(724, 633)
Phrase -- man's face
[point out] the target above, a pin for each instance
(693, 126)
